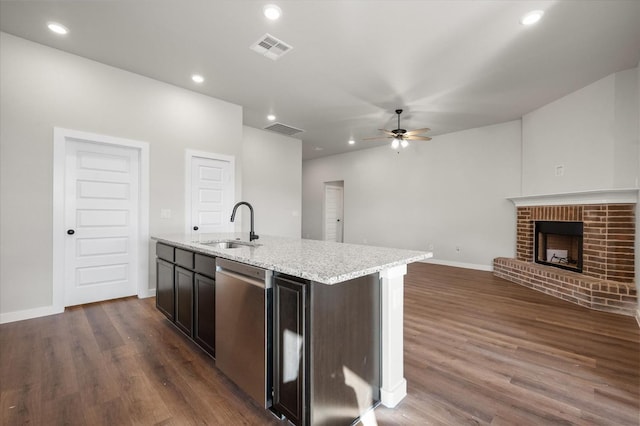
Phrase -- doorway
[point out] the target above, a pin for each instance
(100, 223)
(209, 192)
(334, 211)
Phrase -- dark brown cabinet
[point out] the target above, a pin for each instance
(165, 290)
(185, 292)
(332, 331)
(184, 300)
(165, 293)
(290, 345)
(204, 332)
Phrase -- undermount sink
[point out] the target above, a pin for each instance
(228, 244)
(224, 245)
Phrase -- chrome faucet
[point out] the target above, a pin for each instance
(252, 235)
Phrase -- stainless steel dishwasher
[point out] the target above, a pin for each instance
(243, 327)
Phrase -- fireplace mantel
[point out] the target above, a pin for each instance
(599, 196)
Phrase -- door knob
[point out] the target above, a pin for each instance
(70, 231)
(195, 228)
(338, 220)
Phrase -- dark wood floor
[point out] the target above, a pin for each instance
(478, 350)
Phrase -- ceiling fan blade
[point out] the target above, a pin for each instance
(376, 137)
(417, 138)
(388, 132)
(417, 131)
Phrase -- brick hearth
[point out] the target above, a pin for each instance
(608, 272)
(594, 293)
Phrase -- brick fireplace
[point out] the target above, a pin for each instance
(607, 254)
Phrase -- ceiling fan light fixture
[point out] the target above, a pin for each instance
(404, 143)
(395, 143)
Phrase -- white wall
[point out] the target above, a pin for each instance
(592, 132)
(43, 88)
(449, 192)
(272, 182)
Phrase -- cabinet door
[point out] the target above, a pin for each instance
(165, 292)
(184, 300)
(290, 375)
(204, 332)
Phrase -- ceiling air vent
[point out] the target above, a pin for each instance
(270, 47)
(283, 128)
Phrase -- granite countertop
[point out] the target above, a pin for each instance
(323, 261)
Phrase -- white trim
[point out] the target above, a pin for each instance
(638, 316)
(475, 266)
(143, 221)
(391, 398)
(599, 196)
(145, 293)
(188, 155)
(393, 385)
(60, 136)
(29, 314)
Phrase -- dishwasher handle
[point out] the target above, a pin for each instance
(243, 278)
(259, 276)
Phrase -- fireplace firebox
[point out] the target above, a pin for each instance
(559, 244)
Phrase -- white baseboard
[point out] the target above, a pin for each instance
(29, 314)
(51, 310)
(476, 266)
(150, 292)
(392, 397)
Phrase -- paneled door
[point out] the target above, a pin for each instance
(333, 213)
(212, 194)
(102, 202)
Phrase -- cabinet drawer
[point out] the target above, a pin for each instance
(184, 258)
(164, 252)
(205, 265)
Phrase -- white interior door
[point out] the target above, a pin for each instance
(212, 195)
(102, 203)
(333, 213)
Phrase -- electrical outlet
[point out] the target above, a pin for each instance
(457, 249)
(560, 170)
(430, 247)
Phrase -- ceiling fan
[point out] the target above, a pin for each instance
(401, 137)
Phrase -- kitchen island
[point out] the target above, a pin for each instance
(343, 305)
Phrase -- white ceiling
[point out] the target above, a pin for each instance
(452, 65)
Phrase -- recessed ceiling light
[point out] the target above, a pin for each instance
(271, 11)
(532, 17)
(317, 148)
(57, 28)
(271, 117)
(351, 142)
(197, 78)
